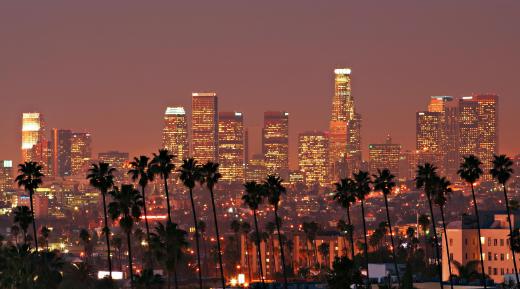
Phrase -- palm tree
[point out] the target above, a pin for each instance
(470, 172)
(162, 165)
(190, 174)
(384, 181)
(270, 227)
(274, 190)
(324, 249)
(101, 177)
(84, 237)
(140, 170)
(253, 197)
(468, 271)
(311, 230)
(30, 178)
(127, 204)
(362, 189)
(23, 216)
(426, 175)
(45, 232)
(245, 227)
(344, 195)
(502, 171)
(441, 192)
(344, 274)
(168, 242)
(210, 177)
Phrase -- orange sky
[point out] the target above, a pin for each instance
(111, 67)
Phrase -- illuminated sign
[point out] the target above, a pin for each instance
(116, 275)
(342, 71)
(175, 110)
(8, 164)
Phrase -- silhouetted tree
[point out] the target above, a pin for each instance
(345, 196)
(441, 192)
(162, 165)
(362, 189)
(344, 274)
(23, 216)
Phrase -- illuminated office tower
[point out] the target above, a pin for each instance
(452, 157)
(61, 152)
(175, 133)
(478, 125)
(313, 156)
(204, 126)
(32, 133)
(80, 153)
(275, 142)
(231, 146)
(353, 157)
(117, 160)
(6, 178)
(342, 112)
(408, 165)
(430, 138)
(384, 156)
(255, 168)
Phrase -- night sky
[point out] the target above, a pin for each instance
(111, 67)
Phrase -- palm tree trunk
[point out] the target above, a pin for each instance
(168, 199)
(130, 265)
(259, 254)
(480, 238)
(31, 192)
(366, 240)
(107, 233)
(392, 241)
(272, 253)
(447, 247)
(143, 191)
(437, 254)
(196, 236)
(280, 243)
(218, 239)
(315, 252)
(175, 276)
(168, 280)
(351, 234)
(510, 231)
(247, 258)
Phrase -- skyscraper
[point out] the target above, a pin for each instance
(353, 158)
(6, 178)
(35, 145)
(204, 126)
(313, 156)
(384, 156)
(61, 152)
(478, 115)
(255, 168)
(231, 146)
(430, 138)
(81, 152)
(118, 160)
(275, 142)
(175, 133)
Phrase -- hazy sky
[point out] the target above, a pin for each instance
(111, 67)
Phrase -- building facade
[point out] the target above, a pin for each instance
(313, 157)
(204, 126)
(231, 143)
(175, 133)
(61, 152)
(384, 156)
(275, 142)
(81, 153)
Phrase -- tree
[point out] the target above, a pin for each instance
(245, 228)
(311, 231)
(470, 172)
(210, 176)
(469, 271)
(45, 232)
(362, 189)
(253, 197)
(425, 178)
(30, 178)
(168, 243)
(441, 192)
(84, 237)
(344, 274)
(140, 171)
(101, 177)
(384, 181)
(274, 191)
(270, 227)
(345, 196)
(324, 249)
(23, 216)
(162, 165)
(190, 174)
(126, 207)
(502, 171)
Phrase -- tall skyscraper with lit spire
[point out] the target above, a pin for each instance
(204, 126)
(175, 133)
(344, 127)
(35, 145)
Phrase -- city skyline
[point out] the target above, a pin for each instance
(285, 76)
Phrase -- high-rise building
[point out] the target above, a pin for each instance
(384, 156)
(430, 138)
(275, 142)
(6, 177)
(117, 160)
(313, 156)
(61, 152)
(204, 126)
(175, 133)
(81, 152)
(35, 145)
(231, 146)
(478, 124)
(353, 158)
(255, 168)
